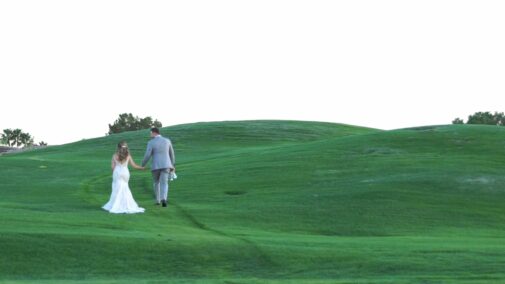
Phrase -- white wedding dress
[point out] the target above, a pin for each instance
(121, 199)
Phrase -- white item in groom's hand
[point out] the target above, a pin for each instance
(173, 176)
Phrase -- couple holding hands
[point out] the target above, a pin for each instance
(160, 149)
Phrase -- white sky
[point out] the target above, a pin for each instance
(68, 68)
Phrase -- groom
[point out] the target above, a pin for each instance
(160, 148)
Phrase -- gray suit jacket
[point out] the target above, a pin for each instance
(162, 152)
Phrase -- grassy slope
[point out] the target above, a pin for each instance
(262, 200)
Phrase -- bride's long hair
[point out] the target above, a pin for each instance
(122, 151)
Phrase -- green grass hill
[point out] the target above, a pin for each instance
(264, 202)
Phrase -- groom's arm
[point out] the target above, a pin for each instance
(171, 154)
(148, 154)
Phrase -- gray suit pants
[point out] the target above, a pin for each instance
(160, 180)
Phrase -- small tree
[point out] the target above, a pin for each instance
(42, 143)
(499, 118)
(458, 121)
(6, 137)
(26, 139)
(128, 122)
(16, 137)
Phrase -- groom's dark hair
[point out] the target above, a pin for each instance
(155, 130)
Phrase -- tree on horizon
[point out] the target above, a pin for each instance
(128, 122)
(16, 138)
(486, 118)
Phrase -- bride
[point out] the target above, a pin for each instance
(121, 199)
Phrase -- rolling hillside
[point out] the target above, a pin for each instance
(264, 202)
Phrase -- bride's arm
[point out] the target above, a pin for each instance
(134, 165)
(113, 163)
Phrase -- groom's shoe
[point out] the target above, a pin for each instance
(164, 203)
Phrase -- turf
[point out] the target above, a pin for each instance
(264, 202)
